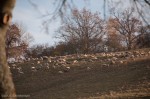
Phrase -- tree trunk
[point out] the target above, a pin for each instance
(130, 43)
(7, 89)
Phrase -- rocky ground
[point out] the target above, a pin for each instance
(123, 74)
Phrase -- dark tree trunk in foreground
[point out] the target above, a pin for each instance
(7, 90)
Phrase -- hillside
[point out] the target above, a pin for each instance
(92, 76)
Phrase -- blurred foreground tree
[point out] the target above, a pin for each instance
(7, 90)
(142, 7)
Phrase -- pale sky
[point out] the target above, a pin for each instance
(31, 18)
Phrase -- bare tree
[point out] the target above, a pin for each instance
(143, 40)
(142, 7)
(25, 37)
(17, 41)
(128, 26)
(114, 38)
(83, 27)
(12, 36)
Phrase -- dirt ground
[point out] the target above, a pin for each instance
(85, 81)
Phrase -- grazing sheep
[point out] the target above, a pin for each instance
(20, 70)
(38, 62)
(75, 61)
(45, 58)
(60, 72)
(14, 66)
(66, 69)
(49, 60)
(47, 67)
(33, 69)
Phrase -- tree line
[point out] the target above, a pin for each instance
(84, 32)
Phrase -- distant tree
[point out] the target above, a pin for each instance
(128, 26)
(12, 36)
(143, 41)
(37, 50)
(83, 29)
(40, 50)
(60, 49)
(16, 41)
(141, 7)
(114, 38)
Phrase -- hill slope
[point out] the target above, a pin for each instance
(85, 80)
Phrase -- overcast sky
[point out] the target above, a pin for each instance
(31, 18)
